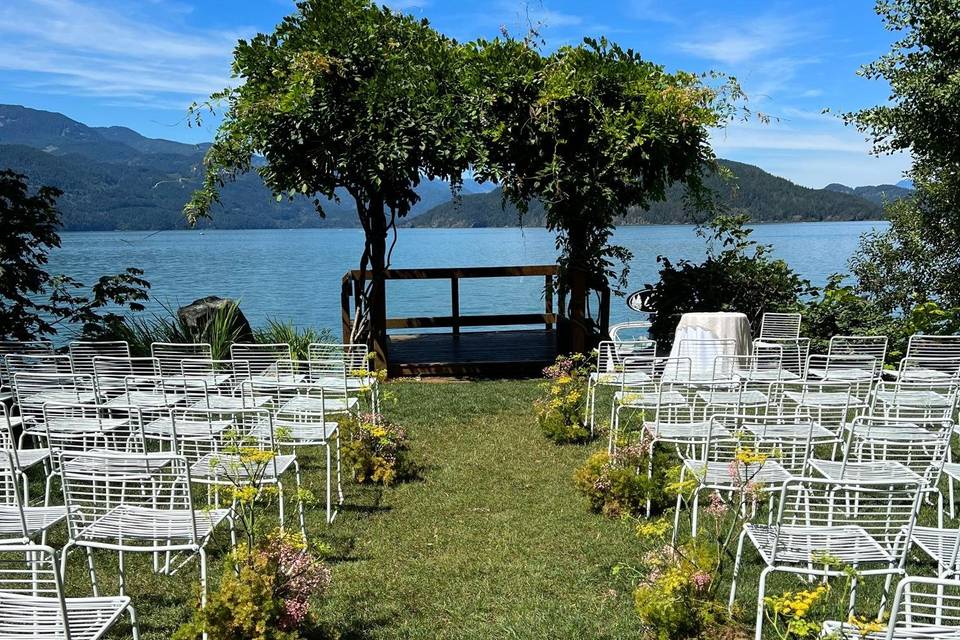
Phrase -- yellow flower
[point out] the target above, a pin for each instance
(750, 456)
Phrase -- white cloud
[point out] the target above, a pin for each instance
(93, 49)
(734, 44)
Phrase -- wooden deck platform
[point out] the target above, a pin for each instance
(485, 354)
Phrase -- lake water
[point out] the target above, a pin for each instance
(294, 274)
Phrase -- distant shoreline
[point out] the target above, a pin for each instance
(630, 226)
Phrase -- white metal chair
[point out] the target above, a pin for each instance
(218, 384)
(823, 526)
(135, 503)
(170, 354)
(927, 369)
(927, 399)
(831, 404)
(782, 445)
(34, 390)
(657, 400)
(18, 520)
(300, 420)
(33, 604)
(923, 609)
(633, 361)
(344, 367)
(215, 444)
(894, 449)
(780, 326)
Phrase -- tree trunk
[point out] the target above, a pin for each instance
(577, 276)
(377, 237)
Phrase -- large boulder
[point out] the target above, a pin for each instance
(198, 314)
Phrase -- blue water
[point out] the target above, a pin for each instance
(295, 275)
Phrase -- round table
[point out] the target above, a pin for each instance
(702, 337)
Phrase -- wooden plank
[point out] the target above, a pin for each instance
(472, 353)
(435, 322)
(443, 273)
(455, 304)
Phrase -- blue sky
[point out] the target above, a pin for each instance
(139, 63)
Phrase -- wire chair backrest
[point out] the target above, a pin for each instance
(860, 371)
(170, 354)
(885, 509)
(748, 442)
(46, 363)
(830, 403)
(27, 347)
(929, 399)
(264, 359)
(326, 359)
(611, 355)
(82, 353)
(921, 446)
(873, 346)
(703, 353)
(112, 374)
(780, 326)
(77, 428)
(627, 331)
(296, 408)
(222, 439)
(37, 389)
(8, 440)
(98, 482)
(9, 486)
(793, 352)
(917, 368)
(924, 608)
(921, 346)
(31, 570)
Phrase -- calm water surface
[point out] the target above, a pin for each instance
(295, 274)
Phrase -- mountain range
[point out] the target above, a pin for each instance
(113, 178)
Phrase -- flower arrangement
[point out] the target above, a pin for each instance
(560, 409)
(265, 593)
(618, 485)
(376, 450)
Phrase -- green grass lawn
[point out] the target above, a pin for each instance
(492, 541)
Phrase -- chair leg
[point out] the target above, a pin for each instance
(329, 473)
(134, 626)
(280, 504)
(736, 571)
(296, 475)
(92, 571)
(761, 590)
(123, 577)
(339, 484)
(201, 552)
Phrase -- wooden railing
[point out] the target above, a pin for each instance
(351, 296)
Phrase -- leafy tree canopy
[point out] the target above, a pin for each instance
(589, 131)
(33, 303)
(918, 258)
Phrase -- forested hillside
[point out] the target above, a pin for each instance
(115, 178)
(762, 196)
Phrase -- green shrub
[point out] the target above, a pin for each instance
(738, 274)
(376, 451)
(264, 594)
(277, 331)
(618, 485)
(560, 409)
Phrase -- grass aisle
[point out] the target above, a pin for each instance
(492, 542)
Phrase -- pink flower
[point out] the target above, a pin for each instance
(717, 507)
(701, 580)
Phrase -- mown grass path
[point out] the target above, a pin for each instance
(492, 542)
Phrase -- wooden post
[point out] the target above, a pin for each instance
(455, 303)
(548, 298)
(346, 321)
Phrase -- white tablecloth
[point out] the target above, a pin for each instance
(696, 328)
